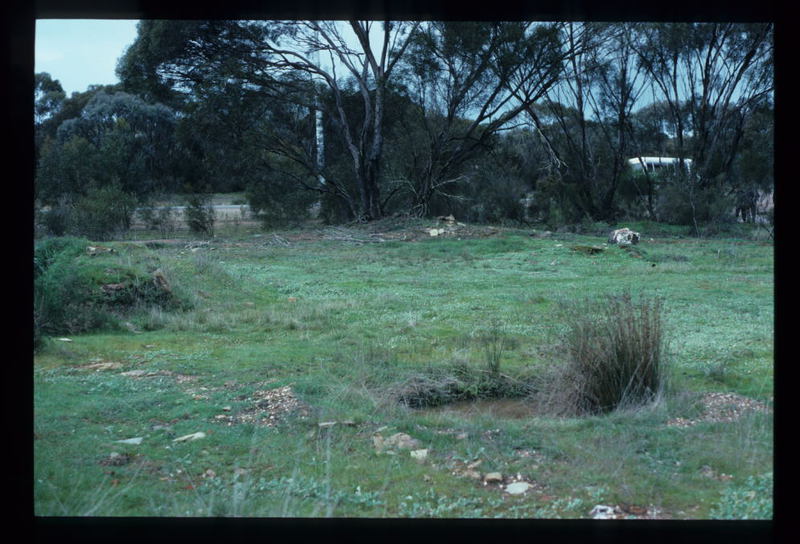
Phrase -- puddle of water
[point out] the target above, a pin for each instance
(502, 408)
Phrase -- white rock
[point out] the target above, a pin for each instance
(517, 488)
(602, 511)
(624, 236)
(137, 440)
(188, 437)
(419, 455)
(402, 441)
(493, 477)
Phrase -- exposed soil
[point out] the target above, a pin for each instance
(267, 407)
(721, 407)
(384, 230)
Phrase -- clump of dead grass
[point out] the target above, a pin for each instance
(615, 356)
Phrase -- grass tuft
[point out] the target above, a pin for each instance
(615, 349)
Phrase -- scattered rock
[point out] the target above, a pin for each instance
(398, 441)
(634, 510)
(589, 250)
(402, 441)
(93, 251)
(469, 473)
(709, 472)
(101, 365)
(493, 478)
(326, 424)
(160, 427)
(419, 455)
(602, 511)
(111, 288)
(721, 408)
(624, 236)
(517, 488)
(139, 373)
(160, 281)
(131, 327)
(65, 339)
(270, 407)
(134, 441)
(196, 244)
(190, 437)
(116, 459)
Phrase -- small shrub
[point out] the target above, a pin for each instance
(494, 343)
(158, 218)
(103, 213)
(200, 214)
(752, 500)
(615, 350)
(56, 219)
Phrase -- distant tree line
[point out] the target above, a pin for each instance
(489, 121)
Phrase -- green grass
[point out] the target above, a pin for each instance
(346, 325)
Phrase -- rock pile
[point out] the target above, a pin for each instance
(623, 237)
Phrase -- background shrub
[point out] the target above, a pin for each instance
(200, 214)
(158, 218)
(102, 213)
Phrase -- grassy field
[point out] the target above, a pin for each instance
(300, 346)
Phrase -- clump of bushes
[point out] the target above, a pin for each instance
(615, 349)
(76, 292)
(101, 214)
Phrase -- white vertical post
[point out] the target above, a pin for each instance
(319, 131)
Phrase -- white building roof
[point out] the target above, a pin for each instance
(657, 160)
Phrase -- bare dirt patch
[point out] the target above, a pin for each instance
(721, 407)
(267, 407)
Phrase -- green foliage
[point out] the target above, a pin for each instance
(683, 202)
(751, 500)
(75, 292)
(114, 139)
(275, 197)
(200, 214)
(102, 213)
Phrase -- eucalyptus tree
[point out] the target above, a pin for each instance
(471, 80)
(719, 74)
(48, 96)
(590, 108)
(293, 65)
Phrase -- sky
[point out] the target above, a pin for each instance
(81, 52)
